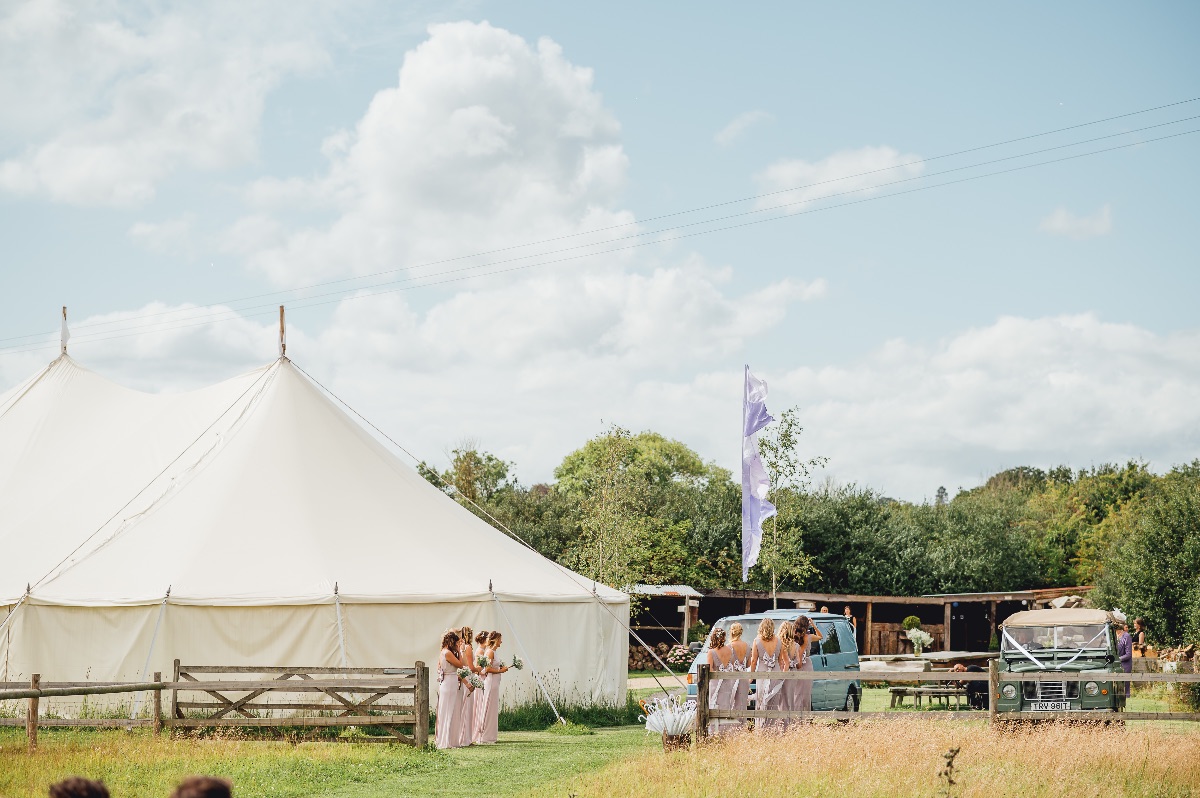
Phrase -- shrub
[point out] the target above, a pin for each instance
(699, 632)
(911, 622)
(680, 657)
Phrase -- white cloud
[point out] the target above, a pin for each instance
(485, 142)
(1068, 389)
(796, 183)
(99, 105)
(1064, 223)
(739, 125)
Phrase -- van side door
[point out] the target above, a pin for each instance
(824, 695)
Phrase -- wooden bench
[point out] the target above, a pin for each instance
(918, 694)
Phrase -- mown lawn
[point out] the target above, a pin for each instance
(138, 765)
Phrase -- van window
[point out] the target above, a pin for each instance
(846, 636)
(830, 644)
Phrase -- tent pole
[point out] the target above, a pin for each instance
(532, 670)
(337, 606)
(282, 334)
(137, 698)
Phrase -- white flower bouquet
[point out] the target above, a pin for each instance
(464, 673)
(475, 681)
(920, 639)
(482, 661)
(517, 664)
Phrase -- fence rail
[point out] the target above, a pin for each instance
(353, 700)
(994, 677)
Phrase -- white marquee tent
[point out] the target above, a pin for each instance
(256, 523)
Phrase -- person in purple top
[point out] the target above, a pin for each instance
(1125, 652)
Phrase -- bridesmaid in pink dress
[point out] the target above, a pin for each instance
(466, 725)
(806, 634)
(721, 692)
(488, 723)
(449, 703)
(741, 662)
(479, 696)
(791, 688)
(768, 655)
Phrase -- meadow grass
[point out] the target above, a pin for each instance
(138, 765)
(901, 756)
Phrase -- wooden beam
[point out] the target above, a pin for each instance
(946, 616)
(421, 710)
(870, 628)
(31, 718)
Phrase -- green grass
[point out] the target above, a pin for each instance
(681, 672)
(538, 715)
(138, 765)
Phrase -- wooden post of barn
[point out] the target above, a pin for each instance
(946, 618)
(31, 719)
(158, 704)
(867, 648)
(421, 707)
(993, 690)
(702, 686)
(175, 694)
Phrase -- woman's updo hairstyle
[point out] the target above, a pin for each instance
(482, 637)
(735, 631)
(766, 629)
(717, 638)
(494, 638)
(465, 634)
(787, 631)
(450, 639)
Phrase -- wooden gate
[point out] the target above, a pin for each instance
(271, 696)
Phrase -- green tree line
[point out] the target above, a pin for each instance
(630, 508)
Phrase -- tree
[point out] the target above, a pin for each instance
(782, 553)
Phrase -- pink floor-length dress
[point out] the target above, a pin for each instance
(791, 687)
(741, 697)
(803, 697)
(480, 698)
(769, 691)
(722, 693)
(449, 706)
(488, 723)
(466, 731)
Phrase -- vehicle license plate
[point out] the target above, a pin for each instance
(1051, 706)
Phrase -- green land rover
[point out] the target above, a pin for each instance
(1060, 641)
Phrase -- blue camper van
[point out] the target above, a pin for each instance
(836, 652)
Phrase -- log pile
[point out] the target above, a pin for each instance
(641, 660)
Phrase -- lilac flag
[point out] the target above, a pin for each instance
(755, 482)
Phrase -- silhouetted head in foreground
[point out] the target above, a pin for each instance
(76, 787)
(203, 787)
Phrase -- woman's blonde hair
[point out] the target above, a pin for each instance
(766, 629)
(787, 632)
(735, 631)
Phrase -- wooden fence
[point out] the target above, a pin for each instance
(200, 700)
(994, 677)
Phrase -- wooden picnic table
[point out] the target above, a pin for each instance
(941, 694)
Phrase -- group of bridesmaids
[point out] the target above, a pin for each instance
(784, 650)
(468, 715)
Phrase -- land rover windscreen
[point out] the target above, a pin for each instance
(1059, 641)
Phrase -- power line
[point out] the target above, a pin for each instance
(343, 298)
(659, 217)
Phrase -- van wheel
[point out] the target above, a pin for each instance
(852, 702)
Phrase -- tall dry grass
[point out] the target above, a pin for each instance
(902, 757)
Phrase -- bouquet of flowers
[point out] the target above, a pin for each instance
(475, 681)
(517, 664)
(920, 639)
(464, 673)
(482, 661)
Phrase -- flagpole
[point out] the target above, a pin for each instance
(774, 554)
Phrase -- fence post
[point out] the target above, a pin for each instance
(158, 703)
(175, 693)
(31, 718)
(993, 690)
(702, 702)
(421, 707)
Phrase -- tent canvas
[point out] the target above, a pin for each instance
(255, 522)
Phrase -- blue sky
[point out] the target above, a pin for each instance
(153, 159)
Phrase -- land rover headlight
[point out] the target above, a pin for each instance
(1091, 688)
(1009, 691)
